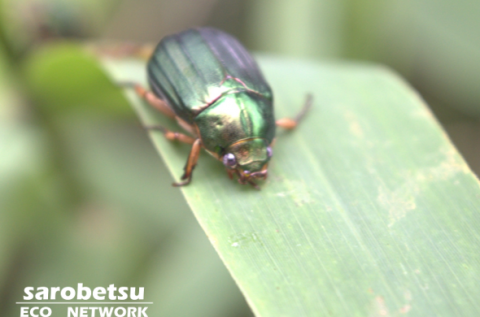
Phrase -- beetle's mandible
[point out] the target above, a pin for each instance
(208, 82)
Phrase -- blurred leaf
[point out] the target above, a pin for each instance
(303, 28)
(24, 23)
(20, 161)
(368, 210)
(99, 247)
(159, 18)
(435, 44)
(29, 196)
(447, 58)
(63, 77)
(187, 279)
(118, 165)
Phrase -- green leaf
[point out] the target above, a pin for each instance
(59, 75)
(368, 210)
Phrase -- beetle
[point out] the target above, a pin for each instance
(209, 83)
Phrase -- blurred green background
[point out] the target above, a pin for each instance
(84, 197)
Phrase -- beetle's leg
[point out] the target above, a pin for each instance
(288, 123)
(254, 185)
(153, 100)
(122, 50)
(172, 135)
(191, 162)
(141, 51)
(230, 173)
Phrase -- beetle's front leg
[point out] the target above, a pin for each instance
(191, 162)
(153, 100)
(290, 124)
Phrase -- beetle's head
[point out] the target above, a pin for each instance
(248, 159)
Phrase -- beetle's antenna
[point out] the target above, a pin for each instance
(254, 185)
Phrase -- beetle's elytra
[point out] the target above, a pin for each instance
(207, 81)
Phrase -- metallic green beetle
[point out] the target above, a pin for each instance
(207, 81)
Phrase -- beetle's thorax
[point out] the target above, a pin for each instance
(234, 117)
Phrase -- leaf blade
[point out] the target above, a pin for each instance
(366, 202)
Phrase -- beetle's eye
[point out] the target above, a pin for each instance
(269, 152)
(229, 160)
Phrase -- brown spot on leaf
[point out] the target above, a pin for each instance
(405, 309)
